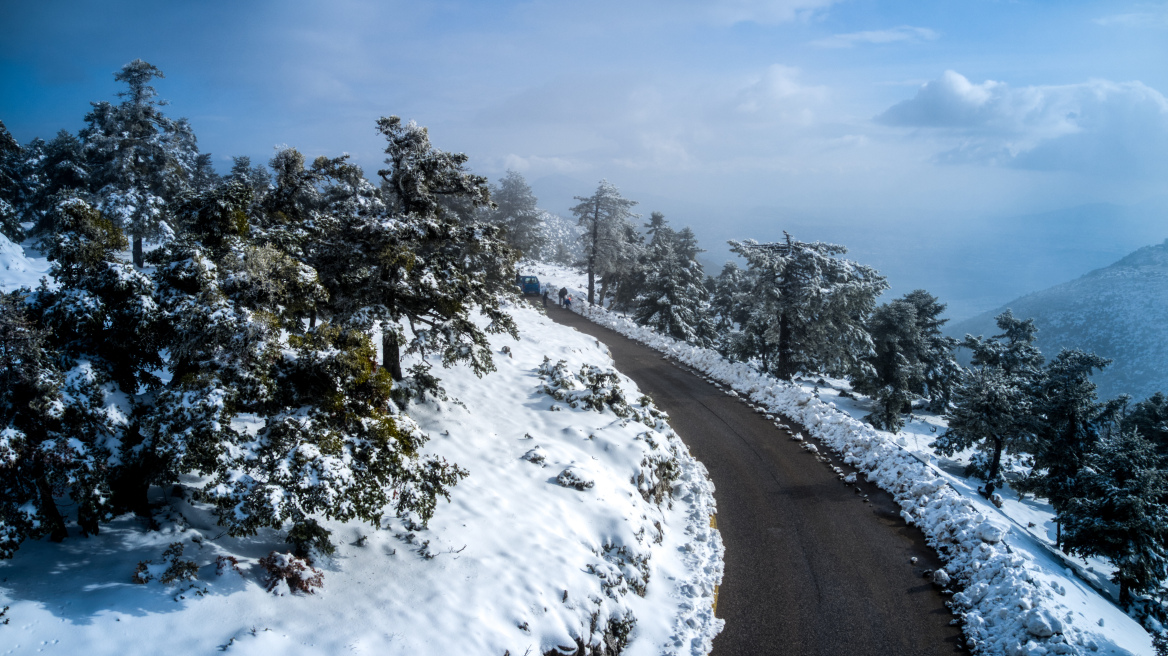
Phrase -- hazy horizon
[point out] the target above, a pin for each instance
(891, 127)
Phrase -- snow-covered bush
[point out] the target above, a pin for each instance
(297, 573)
(173, 568)
(574, 478)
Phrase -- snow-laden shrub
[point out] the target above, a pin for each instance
(622, 568)
(574, 478)
(172, 569)
(595, 388)
(656, 476)
(297, 573)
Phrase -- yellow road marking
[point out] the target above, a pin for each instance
(714, 525)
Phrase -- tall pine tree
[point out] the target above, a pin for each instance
(517, 214)
(1120, 512)
(605, 217)
(1067, 421)
(809, 306)
(672, 297)
(140, 157)
(993, 404)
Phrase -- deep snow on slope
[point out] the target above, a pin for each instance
(1014, 593)
(17, 269)
(545, 544)
(1119, 312)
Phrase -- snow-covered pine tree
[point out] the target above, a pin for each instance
(1150, 418)
(727, 300)
(256, 177)
(139, 156)
(331, 445)
(100, 309)
(672, 297)
(416, 263)
(1067, 421)
(892, 375)
(517, 213)
(992, 404)
(99, 322)
(1120, 512)
(10, 186)
(626, 272)
(605, 217)
(51, 169)
(942, 372)
(808, 306)
(912, 359)
(55, 435)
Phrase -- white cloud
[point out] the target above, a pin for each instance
(1098, 126)
(536, 165)
(766, 12)
(902, 34)
(1154, 15)
(778, 94)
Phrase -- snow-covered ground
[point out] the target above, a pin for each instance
(547, 542)
(1017, 594)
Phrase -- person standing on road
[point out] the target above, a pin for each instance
(567, 302)
(563, 294)
(545, 298)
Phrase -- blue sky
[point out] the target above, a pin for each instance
(878, 121)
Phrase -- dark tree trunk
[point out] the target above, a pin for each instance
(592, 253)
(1124, 593)
(131, 492)
(53, 518)
(995, 467)
(139, 259)
(785, 368)
(130, 488)
(391, 354)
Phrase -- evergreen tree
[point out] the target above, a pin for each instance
(936, 354)
(808, 307)
(141, 158)
(256, 177)
(625, 273)
(893, 375)
(1066, 421)
(604, 216)
(516, 212)
(911, 359)
(416, 263)
(729, 297)
(1150, 418)
(992, 405)
(1121, 513)
(52, 169)
(10, 186)
(55, 435)
(672, 298)
(331, 443)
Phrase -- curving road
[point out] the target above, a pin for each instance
(810, 567)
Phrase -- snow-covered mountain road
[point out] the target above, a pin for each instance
(810, 567)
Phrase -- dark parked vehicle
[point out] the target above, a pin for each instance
(529, 285)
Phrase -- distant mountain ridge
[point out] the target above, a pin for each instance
(1119, 312)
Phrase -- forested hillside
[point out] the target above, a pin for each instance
(1119, 312)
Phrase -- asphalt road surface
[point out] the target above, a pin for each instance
(811, 568)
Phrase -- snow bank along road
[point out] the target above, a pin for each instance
(810, 567)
